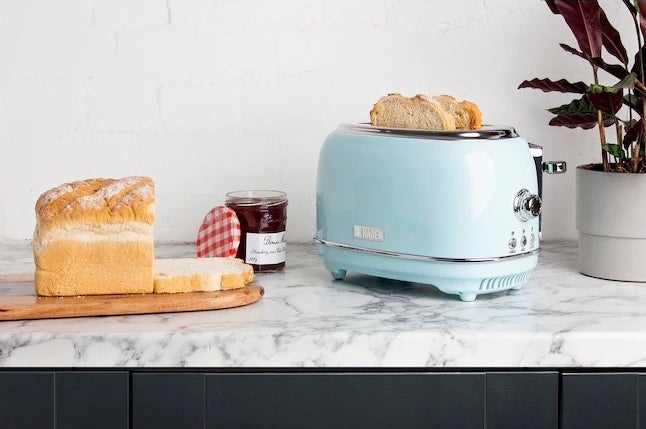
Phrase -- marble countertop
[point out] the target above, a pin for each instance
(558, 319)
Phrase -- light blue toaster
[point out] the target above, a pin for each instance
(455, 209)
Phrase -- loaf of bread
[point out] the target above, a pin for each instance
(95, 237)
(200, 274)
(441, 112)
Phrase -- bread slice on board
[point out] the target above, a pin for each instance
(441, 112)
(200, 274)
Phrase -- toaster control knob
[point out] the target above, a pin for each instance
(527, 205)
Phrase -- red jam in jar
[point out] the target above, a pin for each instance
(263, 221)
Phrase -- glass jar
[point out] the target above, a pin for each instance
(263, 221)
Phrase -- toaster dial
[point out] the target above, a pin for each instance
(527, 205)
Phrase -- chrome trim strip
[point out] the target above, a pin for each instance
(487, 132)
(420, 257)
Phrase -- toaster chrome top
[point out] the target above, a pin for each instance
(487, 132)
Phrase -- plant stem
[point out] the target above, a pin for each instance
(619, 160)
(637, 146)
(602, 131)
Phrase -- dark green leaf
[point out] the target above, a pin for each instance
(582, 105)
(614, 150)
(627, 82)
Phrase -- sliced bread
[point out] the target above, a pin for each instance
(441, 112)
(420, 112)
(200, 274)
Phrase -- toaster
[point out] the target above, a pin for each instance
(459, 210)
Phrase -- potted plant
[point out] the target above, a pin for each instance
(611, 194)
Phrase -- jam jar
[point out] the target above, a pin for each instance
(263, 221)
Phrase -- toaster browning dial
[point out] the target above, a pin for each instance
(527, 205)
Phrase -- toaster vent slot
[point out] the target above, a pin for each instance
(504, 282)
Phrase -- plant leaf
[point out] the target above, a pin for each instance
(585, 105)
(584, 19)
(552, 6)
(638, 11)
(614, 150)
(633, 133)
(547, 85)
(639, 66)
(611, 40)
(626, 83)
(607, 101)
(578, 120)
(634, 102)
(581, 105)
(614, 69)
(641, 5)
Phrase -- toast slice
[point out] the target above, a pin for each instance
(466, 114)
(419, 112)
(441, 112)
(175, 275)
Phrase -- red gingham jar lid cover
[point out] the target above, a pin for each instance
(219, 234)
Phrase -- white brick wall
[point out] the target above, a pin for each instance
(113, 15)
(208, 96)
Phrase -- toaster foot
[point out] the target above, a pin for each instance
(467, 297)
(338, 274)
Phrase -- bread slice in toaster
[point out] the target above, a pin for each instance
(441, 112)
(467, 115)
(420, 112)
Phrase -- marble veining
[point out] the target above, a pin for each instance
(560, 318)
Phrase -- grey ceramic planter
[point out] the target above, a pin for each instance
(611, 220)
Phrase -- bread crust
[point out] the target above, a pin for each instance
(475, 115)
(96, 202)
(235, 281)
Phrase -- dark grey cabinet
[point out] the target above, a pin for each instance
(522, 400)
(64, 399)
(173, 398)
(168, 400)
(603, 401)
(323, 401)
(27, 400)
(99, 400)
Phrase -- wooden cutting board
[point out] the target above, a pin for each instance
(23, 307)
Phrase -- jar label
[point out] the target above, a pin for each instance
(264, 249)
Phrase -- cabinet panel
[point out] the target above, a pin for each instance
(642, 401)
(599, 401)
(167, 400)
(376, 401)
(522, 400)
(27, 400)
(99, 400)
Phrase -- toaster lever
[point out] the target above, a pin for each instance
(555, 167)
(527, 205)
